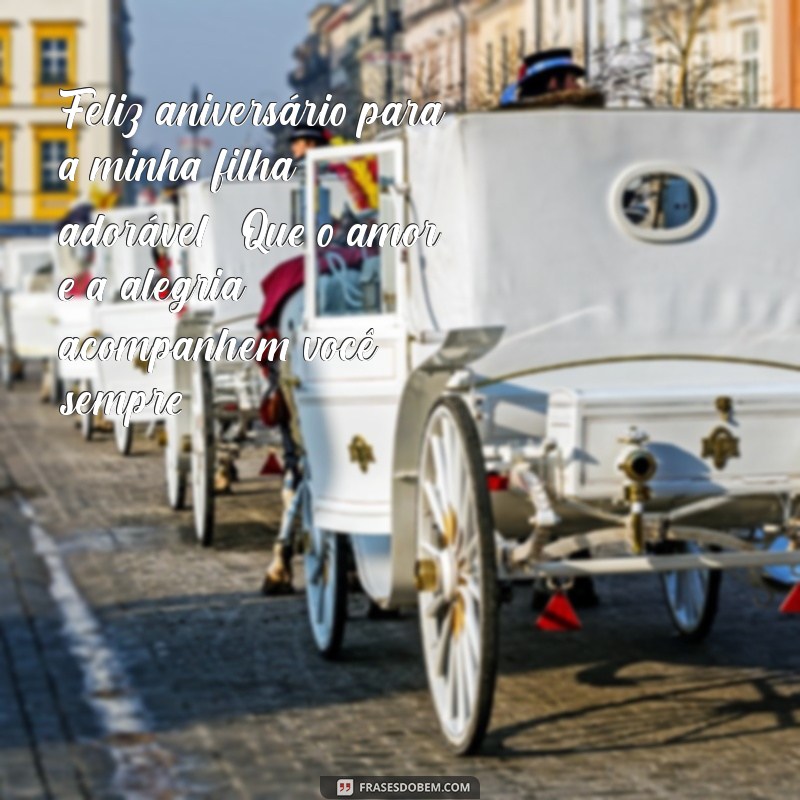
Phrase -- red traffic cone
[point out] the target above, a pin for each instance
(791, 605)
(272, 466)
(558, 615)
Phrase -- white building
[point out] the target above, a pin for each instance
(46, 45)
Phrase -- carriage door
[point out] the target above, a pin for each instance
(348, 408)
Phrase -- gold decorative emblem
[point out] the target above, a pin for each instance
(720, 446)
(361, 452)
(724, 406)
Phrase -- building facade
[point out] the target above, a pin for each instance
(686, 53)
(45, 46)
(786, 62)
(503, 32)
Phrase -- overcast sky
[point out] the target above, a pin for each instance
(237, 49)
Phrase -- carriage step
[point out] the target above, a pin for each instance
(791, 605)
(558, 615)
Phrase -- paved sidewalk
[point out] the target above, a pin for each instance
(236, 704)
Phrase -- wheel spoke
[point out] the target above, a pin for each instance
(452, 457)
(320, 589)
(467, 676)
(473, 589)
(440, 471)
(441, 648)
(434, 605)
(434, 504)
(472, 632)
(453, 677)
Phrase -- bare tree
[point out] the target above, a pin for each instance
(625, 73)
(674, 29)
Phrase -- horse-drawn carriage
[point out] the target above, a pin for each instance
(27, 300)
(600, 355)
(117, 318)
(221, 399)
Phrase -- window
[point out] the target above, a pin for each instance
(489, 68)
(521, 45)
(750, 67)
(624, 15)
(505, 56)
(52, 196)
(51, 155)
(55, 46)
(356, 270)
(53, 62)
(601, 24)
(662, 202)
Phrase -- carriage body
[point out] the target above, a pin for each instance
(28, 302)
(606, 326)
(598, 358)
(688, 333)
(118, 318)
(75, 317)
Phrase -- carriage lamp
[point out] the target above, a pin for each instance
(639, 466)
(636, 461)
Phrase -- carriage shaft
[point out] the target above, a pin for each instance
(666, 563)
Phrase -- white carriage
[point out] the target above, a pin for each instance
(220, 398)
(118, 318)
(600, 354)
(27, 304)
(74, 317)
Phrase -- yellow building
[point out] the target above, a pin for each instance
(45, 46)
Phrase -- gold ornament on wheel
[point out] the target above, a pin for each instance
(361, 452)
(720, 446)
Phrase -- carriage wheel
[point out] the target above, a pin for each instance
(692, 597)
(123, 437)
(457, 575)
(175, 468)
(325, 564)
(203, 453)
(87, 420)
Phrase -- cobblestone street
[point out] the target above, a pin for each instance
(134, 663)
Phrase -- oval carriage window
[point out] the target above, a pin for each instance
(661, 203)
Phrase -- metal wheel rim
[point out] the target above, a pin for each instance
(199, 454)
(687, 593)
(172, 458)
(321, 576)
(450, 614)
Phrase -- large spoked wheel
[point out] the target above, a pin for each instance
(325, 563)
(203, 453)
(175, 468)
(123, 437)
(692, 597)
(457, 575)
